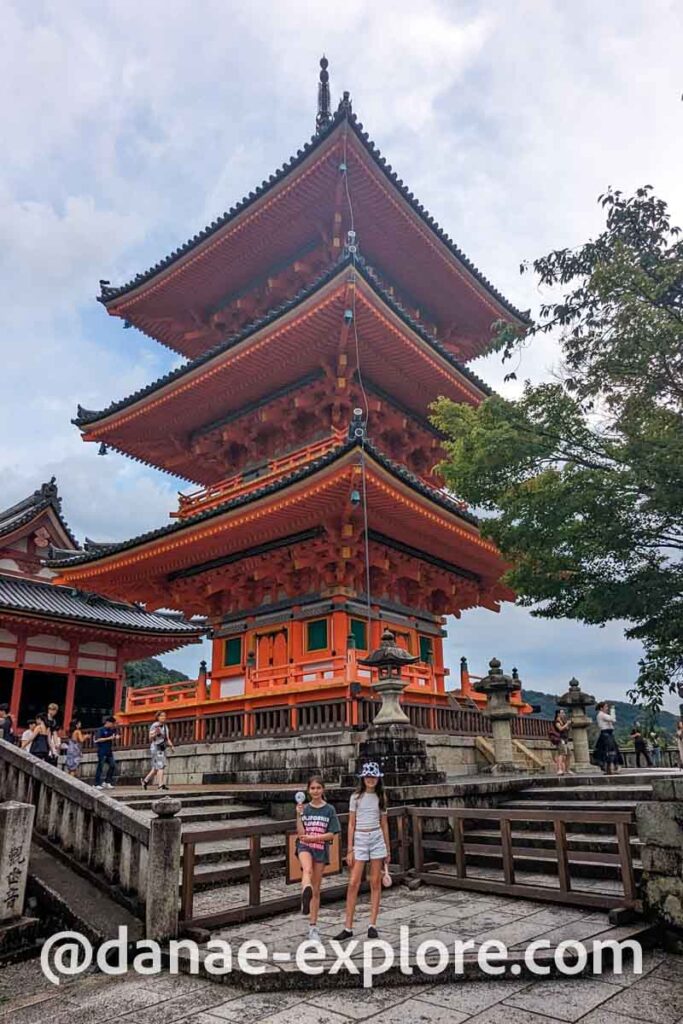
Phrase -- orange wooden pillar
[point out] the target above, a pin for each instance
(18, 680)
(71, 688)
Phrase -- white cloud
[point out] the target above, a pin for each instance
(126, 131)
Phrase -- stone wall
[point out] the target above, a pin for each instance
(286, 759)
(660, 828)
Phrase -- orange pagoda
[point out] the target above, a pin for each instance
(319, 318)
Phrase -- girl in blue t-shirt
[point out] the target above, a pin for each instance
(317, 824)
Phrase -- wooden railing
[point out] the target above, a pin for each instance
(509, 885)
(209, 497)
(256, 906)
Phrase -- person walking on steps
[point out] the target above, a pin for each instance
(316, 825)
(368, 841)
(104, 744)
(606, 749)
(159, 743)
(679, 742)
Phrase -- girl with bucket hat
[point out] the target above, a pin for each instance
(368, 841)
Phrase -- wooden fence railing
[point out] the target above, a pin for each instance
(463, 878)
(320, 716)
(256, 906)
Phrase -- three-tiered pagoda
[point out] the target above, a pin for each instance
(320, 318)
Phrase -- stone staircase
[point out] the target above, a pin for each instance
(592, 847)
(220, 862)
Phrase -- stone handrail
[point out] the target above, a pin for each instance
(107, 841)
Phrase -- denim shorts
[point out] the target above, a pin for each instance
(369, 845)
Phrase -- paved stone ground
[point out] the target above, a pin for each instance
(655, 997)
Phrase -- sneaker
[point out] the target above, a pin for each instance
(99, 787)
(144, 783)
(107, 785)
(306, 897)
(163, 787)
(372, 932)
(344, 935)
(314, 934)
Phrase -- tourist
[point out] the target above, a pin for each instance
(6, 725)
(40, 743)
(317, 824)
(54, 738)
(640, 746)
(368, 840)
(159, 743)
(74, 747)
(104, 744)
(28, 734)
(559, 737)
(606, 750)
(679, 742)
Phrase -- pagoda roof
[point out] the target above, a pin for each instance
(399, 504)
(148, 301)
(48, 600)
(256, 378)
(45, 499)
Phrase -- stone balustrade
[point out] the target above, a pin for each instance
(110, 843)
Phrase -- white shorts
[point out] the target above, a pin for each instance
(369, 845)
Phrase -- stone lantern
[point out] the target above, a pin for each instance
(392, 741)
(498, 688)
(389, 660)
(576, 701)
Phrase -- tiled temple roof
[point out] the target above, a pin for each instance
(24, 511)
(85, 417)
(344, 113)
(281, 483)
(47, 599)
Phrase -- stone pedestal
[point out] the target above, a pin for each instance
(576, 701)
(498, 689)
(401, 753)
(163, 871)
(16, 826)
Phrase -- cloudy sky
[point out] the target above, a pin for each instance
(127, 125)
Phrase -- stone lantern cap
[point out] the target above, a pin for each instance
(575, 697)
(496, 681)
(389, 654)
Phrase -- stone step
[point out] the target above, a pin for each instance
(636, 793)
(576, 839)
(561, 804)
(218, 874)
(217, 812)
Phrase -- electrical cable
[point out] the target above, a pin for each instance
(366, 406)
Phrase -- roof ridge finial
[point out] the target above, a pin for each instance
(323, 116)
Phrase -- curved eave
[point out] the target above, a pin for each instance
(396, 479)
(118, 299)
(94, 422)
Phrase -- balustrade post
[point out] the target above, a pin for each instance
(163, 871)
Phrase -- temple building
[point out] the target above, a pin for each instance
(60, 643)
(320, 317)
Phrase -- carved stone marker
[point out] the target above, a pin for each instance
(16, 825)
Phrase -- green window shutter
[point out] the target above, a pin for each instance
(426, 649)
(233, 651)
(316, 635)
(359, 632)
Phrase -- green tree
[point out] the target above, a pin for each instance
(151, 672)
(580, 480)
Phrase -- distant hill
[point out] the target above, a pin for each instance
(627, 714)
(151, 672)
